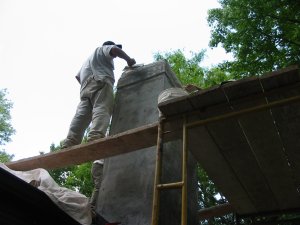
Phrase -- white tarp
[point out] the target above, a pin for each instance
(73, 203)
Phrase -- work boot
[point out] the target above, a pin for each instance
(65, 146)
(95, 137)
(67, 143)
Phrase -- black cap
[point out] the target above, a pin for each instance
(112, 43)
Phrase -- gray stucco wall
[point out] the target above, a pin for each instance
(127, 188)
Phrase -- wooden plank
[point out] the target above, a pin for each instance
(202, 100)
(276, 184)
(215, 211)
(132, 140)
(287, 119)
(208, 154)
(229, 137)
(283, 77)
(206, 104)
(242, 89)
(265, 143)
(205, 150)
(234, 147)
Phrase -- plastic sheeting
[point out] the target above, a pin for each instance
(73, 203)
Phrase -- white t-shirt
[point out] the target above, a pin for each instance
(100, 65)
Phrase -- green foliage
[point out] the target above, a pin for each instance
(215, 76)
(207, 191)
(76, 178)
(261, 35)
(209, 196)
(80, 179)
(6, 130)
(60, 175)
(189, 71)
(5, 157)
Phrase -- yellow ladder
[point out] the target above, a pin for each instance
(182, 184)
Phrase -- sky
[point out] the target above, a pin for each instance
(43, 44)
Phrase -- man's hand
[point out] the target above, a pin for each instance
(131, 62)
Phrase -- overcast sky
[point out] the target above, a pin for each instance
(44, 43)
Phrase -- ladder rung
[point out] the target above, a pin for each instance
(170, 185)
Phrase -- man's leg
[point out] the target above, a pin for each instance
(102, 109)
(79, 123)
(97, 174)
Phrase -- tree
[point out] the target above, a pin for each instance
(73, 177)
(59, 175)
(6, 129)
(189, 71)
(261, 35)
(5, 157)
(208, 195)
(215, 76)
(80, 179)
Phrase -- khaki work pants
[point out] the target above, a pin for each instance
(95, 107)
(97, 174)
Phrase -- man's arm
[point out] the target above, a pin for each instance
(117, 52)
